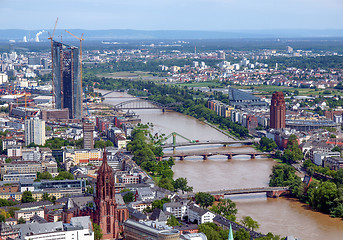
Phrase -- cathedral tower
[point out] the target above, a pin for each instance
(106, 214)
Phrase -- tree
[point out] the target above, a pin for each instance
(159, 203)
(204, 199)
(248, 222)
(12, 210)
(99, 144)
(278, 154)
(21, 220)
(336, 149)
(108, 143)
(182, 184)
(269, 236)
(226, 208)
(241, 234)
(27, 197)
(46, 197)
(323, 196)
(284, 175)
(44, 175)
(166, 183)
(64, 175)
(97, 232)
(210, 230)
(267, 144)
(129, 197)
(172, 221)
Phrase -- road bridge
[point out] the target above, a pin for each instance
(206, 155)
(225, 143)
(220, 194)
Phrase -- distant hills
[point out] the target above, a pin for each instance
(120, 34)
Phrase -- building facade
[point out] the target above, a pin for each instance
(67, 79)
(34, 131)
(278, 111)
(88, 141)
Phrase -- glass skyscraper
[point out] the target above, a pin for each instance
(67, 79)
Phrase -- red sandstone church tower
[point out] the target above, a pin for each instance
(107, 214)
(278, 111)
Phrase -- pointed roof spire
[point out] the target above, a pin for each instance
(104, 156)
(230, 233)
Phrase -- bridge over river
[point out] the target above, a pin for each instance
(192, 143)
(205, 155)
(270, 191)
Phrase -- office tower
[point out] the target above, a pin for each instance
(67, 79)
(34, 131)
(278, 111)
(221, 55)
(88, 141)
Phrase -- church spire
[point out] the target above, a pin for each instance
(104, 155)
(230, 233)
(105, 181)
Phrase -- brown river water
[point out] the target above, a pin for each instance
(280, 216)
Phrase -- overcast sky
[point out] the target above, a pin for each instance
(172, 14)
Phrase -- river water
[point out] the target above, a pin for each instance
(281, 216)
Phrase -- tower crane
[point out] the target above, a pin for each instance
(80, 39)
(51, 37)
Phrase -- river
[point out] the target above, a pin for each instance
(281, 216)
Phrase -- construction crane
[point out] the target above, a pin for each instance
(51, 37)
(80, 39)
(84, 91)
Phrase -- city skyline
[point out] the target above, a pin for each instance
(217, 15)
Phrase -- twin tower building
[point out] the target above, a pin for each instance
(67, 82)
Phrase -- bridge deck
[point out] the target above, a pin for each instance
(208, 154)
(241, 191)
(184, 144)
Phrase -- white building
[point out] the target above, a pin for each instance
(29, 213)
(319, 157)
(79, 228)
(178, 209)
(31, 154)
(199, 215)
(34, 131)
(3, 78)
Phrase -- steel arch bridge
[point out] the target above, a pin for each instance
(144, 104)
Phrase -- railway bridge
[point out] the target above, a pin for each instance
(140, 103)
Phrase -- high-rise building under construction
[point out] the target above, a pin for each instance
(67, 79)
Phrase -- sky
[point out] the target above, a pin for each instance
(214, 15)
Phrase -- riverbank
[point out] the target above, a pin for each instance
(220, 130)
(281, 216)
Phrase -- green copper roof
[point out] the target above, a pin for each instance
(230, 233)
